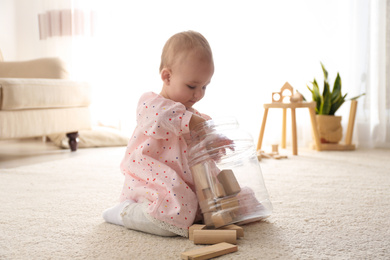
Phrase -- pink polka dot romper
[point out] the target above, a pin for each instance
(156, 165)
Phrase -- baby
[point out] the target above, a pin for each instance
(158, 195)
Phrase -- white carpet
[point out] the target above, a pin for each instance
(327, 205)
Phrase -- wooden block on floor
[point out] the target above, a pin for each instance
(209, 251)
(238, 229)
(194, 227)
(278, 157)
(214, 236)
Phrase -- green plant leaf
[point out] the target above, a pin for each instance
(337, 105)
(336, 92)
(354, 98)
(325, 72)
(316, 95)
(326, 90)
(327, 103)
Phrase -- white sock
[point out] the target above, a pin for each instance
(113, 215)
(134, 218)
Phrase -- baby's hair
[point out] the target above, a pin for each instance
(184, 42)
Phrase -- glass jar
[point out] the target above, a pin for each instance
(227, 175)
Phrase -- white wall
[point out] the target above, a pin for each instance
(7, 29)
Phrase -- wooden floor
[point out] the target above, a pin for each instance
(16, 153)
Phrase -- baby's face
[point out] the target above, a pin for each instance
(189, 80)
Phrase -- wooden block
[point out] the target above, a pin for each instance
(229, 182)
(238, 229)
(221, 218)
(214, 236)
(219, 190)
(192, 228)
(207, 220)
(275, 148)
(208, 194)
(209, 251)
(228, 204)
(199, 173)
(208, 205)
(204, 194)
(278, 157)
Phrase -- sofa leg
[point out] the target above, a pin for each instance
(73, 140)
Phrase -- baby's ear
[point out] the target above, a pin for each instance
(166, 75)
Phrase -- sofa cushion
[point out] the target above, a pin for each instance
(41, 122)
(43, 93)
(48, 68)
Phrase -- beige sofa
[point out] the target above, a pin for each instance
(38, 99)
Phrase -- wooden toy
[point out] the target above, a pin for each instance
(221, 218)
(194, 227)
(229, 182)
(208, 205)
(278, 157)
(296, 97)
(204, 194)
(284, 95)
(209, 251)
(275, 148)
(292, 106)
(210, 237)
(228, 204)
(239, 230)
(207, 219)
(199, 173)
(261, 154)
(219, 190)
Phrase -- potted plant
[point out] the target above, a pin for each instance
(328, 102)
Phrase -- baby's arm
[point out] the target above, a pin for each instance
(215, 143)
(195, 120)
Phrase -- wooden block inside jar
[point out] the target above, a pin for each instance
(229, 182)
(199, 173)
(231, 204)
(219, 190)
(221, 218)
(207, 205)
(207, 219)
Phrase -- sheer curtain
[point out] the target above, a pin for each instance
(371, 71)
(257, 46)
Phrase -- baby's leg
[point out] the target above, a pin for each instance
(133, 218)
(130, 215)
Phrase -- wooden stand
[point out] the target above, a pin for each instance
(310, 105)
(347, 146)
(277, 102)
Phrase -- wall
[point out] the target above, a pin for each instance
(7, 29)
(19, 35)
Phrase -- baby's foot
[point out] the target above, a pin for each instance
(113, 215)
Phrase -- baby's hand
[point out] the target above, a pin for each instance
(217, 144)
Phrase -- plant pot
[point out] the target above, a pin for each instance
(329, 128)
